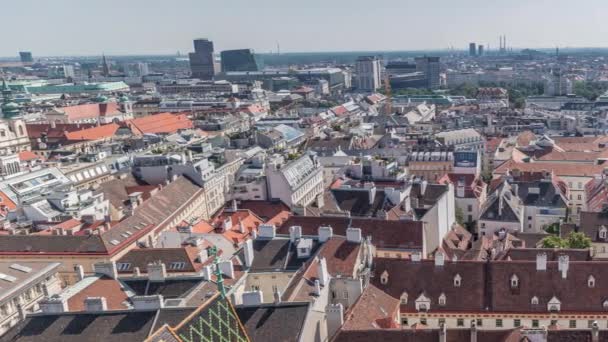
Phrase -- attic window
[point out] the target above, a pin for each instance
(384, 278)
(605, 304)
(591, 281)
(178, 265)
(123, 266)
(404, 298)
(534, 300)
(457, 280)
(514, 282)
(442, 299)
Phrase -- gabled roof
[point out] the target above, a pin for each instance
(141, 258)
(93, 133)
(90, 110)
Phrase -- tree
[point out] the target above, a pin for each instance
(459, 216)
(553, 241)
(573, 240)
(578, 240)
(552, 228)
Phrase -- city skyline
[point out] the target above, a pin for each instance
(159, 28)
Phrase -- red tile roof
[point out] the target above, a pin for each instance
(560, 169)
(29, 155)
(271, 212)
(164, 123)
(111, 289)
(91, 110)
(94, 133)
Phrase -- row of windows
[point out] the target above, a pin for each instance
(499, 323)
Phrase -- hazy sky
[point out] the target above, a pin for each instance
(90, 27)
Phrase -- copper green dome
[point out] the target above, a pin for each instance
(100, 98)
(123, 99)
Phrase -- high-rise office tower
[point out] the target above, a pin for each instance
(472, 49)
(26, 57)
(480, 50)
(239, 60)
(368, 69)
(431, 68)
(105, 66)
(201, 60)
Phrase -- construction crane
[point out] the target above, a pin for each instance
(388, 105)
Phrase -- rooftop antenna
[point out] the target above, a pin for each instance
(278, 48)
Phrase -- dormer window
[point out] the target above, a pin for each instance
(423, 303)
(591, 281)
(404, 298)
(605, 305)
(554, 304)
(457, 280)
(384, 278)
(514, 281)
(534, 300)
(442, 299)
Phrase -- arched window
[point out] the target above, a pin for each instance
(603, 232)
(534, 300)
(457, 280)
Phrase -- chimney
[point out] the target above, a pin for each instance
(53, 124)
(207, 272)
(21, 311)
(563, 264)
(252, 298)
(136, 272)
(79, 270)
(473, 331)
(541, 261)
(254, 234)
(423, 185)
(203, 255)
(323, 272)
(325, 233)
(95, 304)
(295, 233)
(249, 253)
(153, 302)
(416, 256)
(54, 304)
(242, 228)
(317, 289)
(227, 268)
(267, 231)
(442, 333)
(335, 318)
(234, 206)
(157, 272)
(106, 268)
(353, 235)
(372, 194)
(439, 259)
(277, 297)
(595, 332)
(45, 290)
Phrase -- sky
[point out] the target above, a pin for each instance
(131, 27)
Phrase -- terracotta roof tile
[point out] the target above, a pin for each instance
(163, 123)
(112, 290)
(94, 133)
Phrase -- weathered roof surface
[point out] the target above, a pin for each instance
(106, 287)
(93, 133)
(282, 322)
(271, 212)
(52, 244)
(357, 201)
(591, 223)
(152, 212)
(277, 254)
(432, 281)
(384, 234)
(374, 309)
(560, 169)
(90, 110)
(127, 326)
(170, 288)
(16, 270)
(163, 123)
(141, 258)
(388, 335)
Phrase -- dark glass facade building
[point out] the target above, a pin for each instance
(239, 60)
